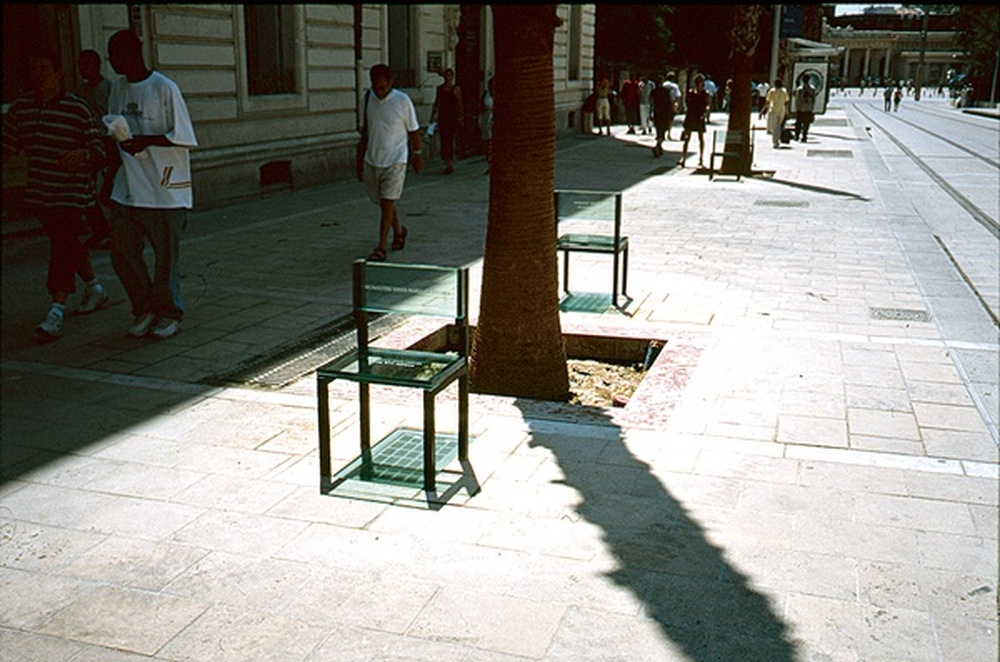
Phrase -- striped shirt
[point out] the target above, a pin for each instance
(45, 131)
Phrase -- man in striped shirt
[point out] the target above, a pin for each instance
(63, 144)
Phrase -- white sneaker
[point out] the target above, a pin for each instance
(165, 328)
(93, 298)
(52, 326)
(141, 325)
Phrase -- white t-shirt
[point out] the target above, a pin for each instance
(390, 120)
(674, 89)
(158, 177)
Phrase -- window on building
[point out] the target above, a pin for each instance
(270, 44)
(401, 59)
(575, 40)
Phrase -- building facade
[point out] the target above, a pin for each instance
(888, 46)
(275, 91)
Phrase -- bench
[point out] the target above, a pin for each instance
(591, 222)
(726, 143)
(384, 288)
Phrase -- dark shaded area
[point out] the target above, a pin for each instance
(88, 412)
(700, 602)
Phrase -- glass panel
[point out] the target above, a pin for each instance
(413, 289)
(586, 205)
(586, 212)
(394, 367)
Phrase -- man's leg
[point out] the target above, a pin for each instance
(128, 238)
(164, 228)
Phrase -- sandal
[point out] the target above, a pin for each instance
(378, 255)
(399, 241)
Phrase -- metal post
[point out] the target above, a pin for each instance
(430, 452)
(920, 66)
(993, 89)
(775, 44)
(325, 461)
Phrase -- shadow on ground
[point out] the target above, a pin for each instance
(699, 601)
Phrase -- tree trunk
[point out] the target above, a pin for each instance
(745, 38)
(518, 347)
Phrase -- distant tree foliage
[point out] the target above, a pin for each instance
(979, 34)
(637, 35)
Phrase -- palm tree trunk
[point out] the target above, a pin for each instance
(745, 37)
(518, 347)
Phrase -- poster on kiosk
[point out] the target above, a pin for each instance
(818, 75)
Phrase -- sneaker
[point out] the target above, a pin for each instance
(141, 325)
(52, 326)
(93, 298)
(166, 328)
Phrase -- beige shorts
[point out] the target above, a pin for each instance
(603, 109)
(385, 183)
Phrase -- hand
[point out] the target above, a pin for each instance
(418, 163)
(135, 145)
(73, 160)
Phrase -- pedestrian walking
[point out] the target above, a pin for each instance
(805, 103)
(887, 98)
(448, 112)
(697, 103)
(896, 98)
(645, 108)
(630, 99)
(675, 99)
(663, 113)
(94, 90)
(712, 89)
(776, 104)
(762, 91)
(391, 128)
(152, 187)
(63, 144)
(603, 106)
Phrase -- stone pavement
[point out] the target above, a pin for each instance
(796, 479)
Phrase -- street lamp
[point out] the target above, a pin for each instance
(923, 49)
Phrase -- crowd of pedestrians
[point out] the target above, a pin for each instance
(112, 158)
(131, 190)
(651, 104)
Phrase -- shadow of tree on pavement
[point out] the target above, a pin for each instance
(704, 605)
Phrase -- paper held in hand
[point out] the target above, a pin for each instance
(118, 129)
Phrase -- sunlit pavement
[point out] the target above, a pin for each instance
(809, 471)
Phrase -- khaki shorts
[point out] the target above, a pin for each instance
(603, 108)
(385, 183)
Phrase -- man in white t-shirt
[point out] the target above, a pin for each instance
(152, 186)
(392, 134)
(675, 99)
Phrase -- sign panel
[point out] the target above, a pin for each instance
(792, 21)
(818, 74)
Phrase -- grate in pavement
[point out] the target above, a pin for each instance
(398, 459)
(899, 314)
(832, 121)
(831, 153)
(780, 203)
(285, 364)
